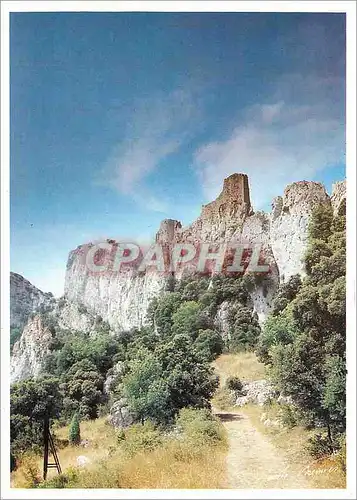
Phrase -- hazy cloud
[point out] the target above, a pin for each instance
(157, 129)
(279, 142)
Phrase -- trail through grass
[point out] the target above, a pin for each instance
(261, 456)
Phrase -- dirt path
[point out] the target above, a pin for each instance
(252, 460)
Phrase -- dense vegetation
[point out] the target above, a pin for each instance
(304, 339)
(164, 366)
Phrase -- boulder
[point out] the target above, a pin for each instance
(120, 415)
(258, 392)
(82, 461)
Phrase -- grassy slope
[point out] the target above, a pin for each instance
(245, 365)
(175, 464)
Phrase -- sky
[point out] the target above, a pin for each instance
(119, 120)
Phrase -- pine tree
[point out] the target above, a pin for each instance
(75, 431)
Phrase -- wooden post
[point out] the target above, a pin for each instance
(46, 431)
(49, 445)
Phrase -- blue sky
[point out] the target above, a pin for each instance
(119, 120)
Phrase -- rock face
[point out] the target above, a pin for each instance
(122, 298)
(74, 316)
(26, 299)
(30, 350)
(114, 373)
(289, 224)
(338, 197)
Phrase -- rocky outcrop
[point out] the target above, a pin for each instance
(113, 376)
(26, 299)
(122, 298)
(289, 225)
(222, 319)
(30, 351)
(120, 415)
(74, 316)
(338, 198)
(258, 392)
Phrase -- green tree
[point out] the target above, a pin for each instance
(159, 383)
(145, 388)
(188, 319)
(286, 293)
(208, 344)
(278, 330)
(244, 329)
(74, 434)
(305, 341)
(161, 311)
(83, 390)
(30, 402)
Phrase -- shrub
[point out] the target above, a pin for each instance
(234, 384)
(74, 431)
(120, 436)
(200, 426)
(209, 344)
(65, 480)
(141, 437)
(288, 415)
(30, 471)
(319, 446)
(244, 328)
(159, 384)
(223, 398)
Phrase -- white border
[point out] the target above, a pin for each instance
(349, 7)
(179, 6)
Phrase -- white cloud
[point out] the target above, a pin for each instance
(276, 143)
(158, 128)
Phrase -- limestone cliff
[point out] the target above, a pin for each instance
(26, 299)
(30, 351)
(289, 225)
(122, 298)
(338, 197)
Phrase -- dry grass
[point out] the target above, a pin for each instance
(244, 365)
(176, 464)
(171, 466)
(100, 435)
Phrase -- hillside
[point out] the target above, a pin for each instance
(207, 380)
